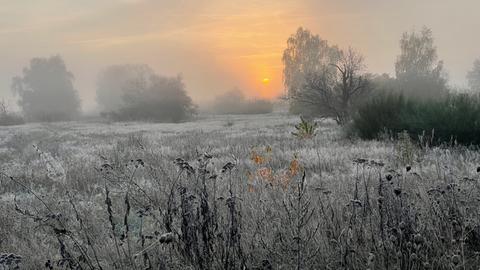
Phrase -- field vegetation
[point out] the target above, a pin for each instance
(203, 195)
(366, 171)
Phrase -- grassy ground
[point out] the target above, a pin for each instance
(100, 195)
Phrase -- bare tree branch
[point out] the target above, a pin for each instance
(334, 90)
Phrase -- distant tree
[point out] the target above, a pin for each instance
(113, 81)
(165, 100)
(46, 91)
(419, 74)
(335, 92)
(229, 102)
(235, 102)
(473, 77)
(305, 54)
(135, 92)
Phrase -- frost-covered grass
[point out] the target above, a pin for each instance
(363, 204)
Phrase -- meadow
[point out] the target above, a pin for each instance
(233, 192)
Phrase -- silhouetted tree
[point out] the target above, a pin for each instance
(419, 75)
(140, 94)
(113, 81)
(335, 92)
(46, 91)
(305, 54)
(162, 99)
(473, 76)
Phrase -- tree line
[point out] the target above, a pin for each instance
(130, 92)
(46, 92)
(320, 79)
(325, 81)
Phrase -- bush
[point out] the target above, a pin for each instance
(165, 100)
(113, 81)
(379, 113)
(453, 119)
(234, 102)
(142, 95)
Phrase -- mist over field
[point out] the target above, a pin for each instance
(217, 45)
(210, 134)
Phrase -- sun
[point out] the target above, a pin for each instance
(265, 80)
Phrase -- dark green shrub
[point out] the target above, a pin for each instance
(453, 119)
(379, 114)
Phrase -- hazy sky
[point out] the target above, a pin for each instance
(219, 44)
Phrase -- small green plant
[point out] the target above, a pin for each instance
(305, 129)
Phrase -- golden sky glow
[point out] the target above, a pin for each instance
(217, 44)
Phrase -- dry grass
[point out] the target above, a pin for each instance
(249, 195)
